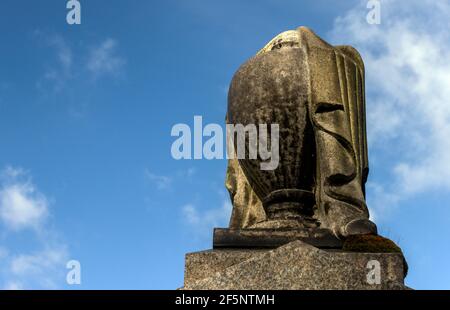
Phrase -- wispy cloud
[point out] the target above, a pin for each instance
(65, 64)
(166, 182)
(44, 269)
(202, 221)
(104, 60)
(162, 182)
(39, 266)
(190, 172)
(64, 54)
(60, 68)
(24, 207)
(13, 286)
(407, 61)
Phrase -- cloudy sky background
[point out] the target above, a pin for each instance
(86, 113)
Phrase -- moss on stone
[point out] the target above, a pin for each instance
(370, 244)
(373, 244)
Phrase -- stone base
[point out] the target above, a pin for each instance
(273, 238)
(294, 266)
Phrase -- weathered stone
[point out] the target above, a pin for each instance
(200, 265)
(289, 224)
(315, 93)
(296, 265)
(273, 238)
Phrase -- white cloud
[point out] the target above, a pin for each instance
(60, 70)
(166, 182)
(162, 182)
(66, 65)
(38, 263)
(13, 286)
(103, 59)
(190, 214)
(407, 61)
(22, 207)
(63, 53)
(10, 172)
(43, 269)
(203, 221)
(21, 204)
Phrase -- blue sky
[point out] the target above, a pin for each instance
(86, 112)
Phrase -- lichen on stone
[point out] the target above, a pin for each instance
(370, 244)
(373, 244)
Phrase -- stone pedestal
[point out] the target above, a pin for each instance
(273, 238)
(293, 266)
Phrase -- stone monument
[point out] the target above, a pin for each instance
(304, 224)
